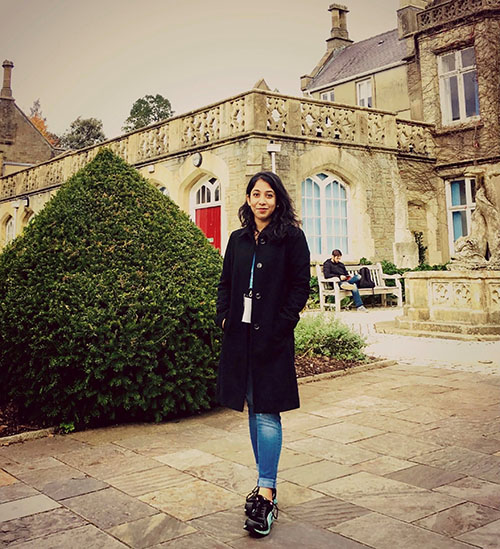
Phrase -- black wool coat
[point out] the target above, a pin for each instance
(266, 345)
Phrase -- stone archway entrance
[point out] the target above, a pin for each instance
(206, 209)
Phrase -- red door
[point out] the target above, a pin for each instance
(208, 220)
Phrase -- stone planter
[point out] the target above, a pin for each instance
(447, 303)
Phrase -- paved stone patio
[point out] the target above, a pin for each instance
(406, 456)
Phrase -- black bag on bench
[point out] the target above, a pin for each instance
(366, 279)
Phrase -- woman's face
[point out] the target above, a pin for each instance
(262, 202)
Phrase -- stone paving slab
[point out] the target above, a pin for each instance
(425, 476)
(381, 465)
(382, 532)
(315, 473)
(326, 512)
(225, 526)
(108, 507)
(143, 482)
(149, 531)
(26, 506)
(40, 478)
(104, 461)
(35, 526)
(405, 456)
(474, 489)
(392, 498)
(459, 519)
(18, 490)
(300, 534)
(30, 464)
(68, 488)
(226, 474)
(187, 459)
(345, 454)
(396, 445)
(76, 538)
(345, 432)
(40, 448)
(461, 460)
(193, 499)
(193, 541)
(487, 537)
(6, 479)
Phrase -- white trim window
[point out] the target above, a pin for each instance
(461, 202)
(325, 215)
(206, 193)
(458, 86)
(328, 96)
(364, 93)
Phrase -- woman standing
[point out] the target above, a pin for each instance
(263, 287)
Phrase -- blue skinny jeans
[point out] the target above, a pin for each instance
(266, 436)
(355, 293)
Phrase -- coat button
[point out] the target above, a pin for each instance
(262, 241)
(256, 326)
(257, 295)
(259, 265)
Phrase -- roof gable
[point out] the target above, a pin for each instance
(361, 57)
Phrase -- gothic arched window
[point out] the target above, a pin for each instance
(325, 214)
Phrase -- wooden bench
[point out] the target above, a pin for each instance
(330, 286)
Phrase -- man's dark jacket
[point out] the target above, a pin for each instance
(331, 269)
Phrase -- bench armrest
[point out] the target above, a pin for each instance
(391, 277)
(331, 279)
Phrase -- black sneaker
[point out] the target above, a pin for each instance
(262, 516)
(252, 496)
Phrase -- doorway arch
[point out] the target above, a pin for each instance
(205, 202)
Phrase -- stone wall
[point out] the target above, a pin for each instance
(475, 139)
(360, 147)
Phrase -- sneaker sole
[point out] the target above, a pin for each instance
(254, 530)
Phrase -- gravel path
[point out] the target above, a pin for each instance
(473, 356)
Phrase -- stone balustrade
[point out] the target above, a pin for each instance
(451, 11)
(255, 112)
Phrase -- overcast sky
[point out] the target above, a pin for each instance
(94, 58)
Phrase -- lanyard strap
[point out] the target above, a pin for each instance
(251, 272)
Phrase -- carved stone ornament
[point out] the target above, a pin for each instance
(468, 256)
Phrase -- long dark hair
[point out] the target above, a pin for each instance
(283, 216)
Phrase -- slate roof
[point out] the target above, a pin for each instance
(361, 57)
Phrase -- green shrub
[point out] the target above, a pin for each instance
(107, 305)
(313, 300)
(419, 239)
(326, 336)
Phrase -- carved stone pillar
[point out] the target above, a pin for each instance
(405, 248)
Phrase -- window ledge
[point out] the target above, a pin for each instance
(454, 127)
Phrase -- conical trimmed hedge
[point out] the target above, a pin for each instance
(107, 305)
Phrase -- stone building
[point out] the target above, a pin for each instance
(21, 144)
(346, 168)
(364, 177)
(453, 66)
(370, 73)
(441, 66)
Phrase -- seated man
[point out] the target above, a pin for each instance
(334, 267)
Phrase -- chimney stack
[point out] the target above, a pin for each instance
(339, 36)
(407, 16)
(6, 92)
